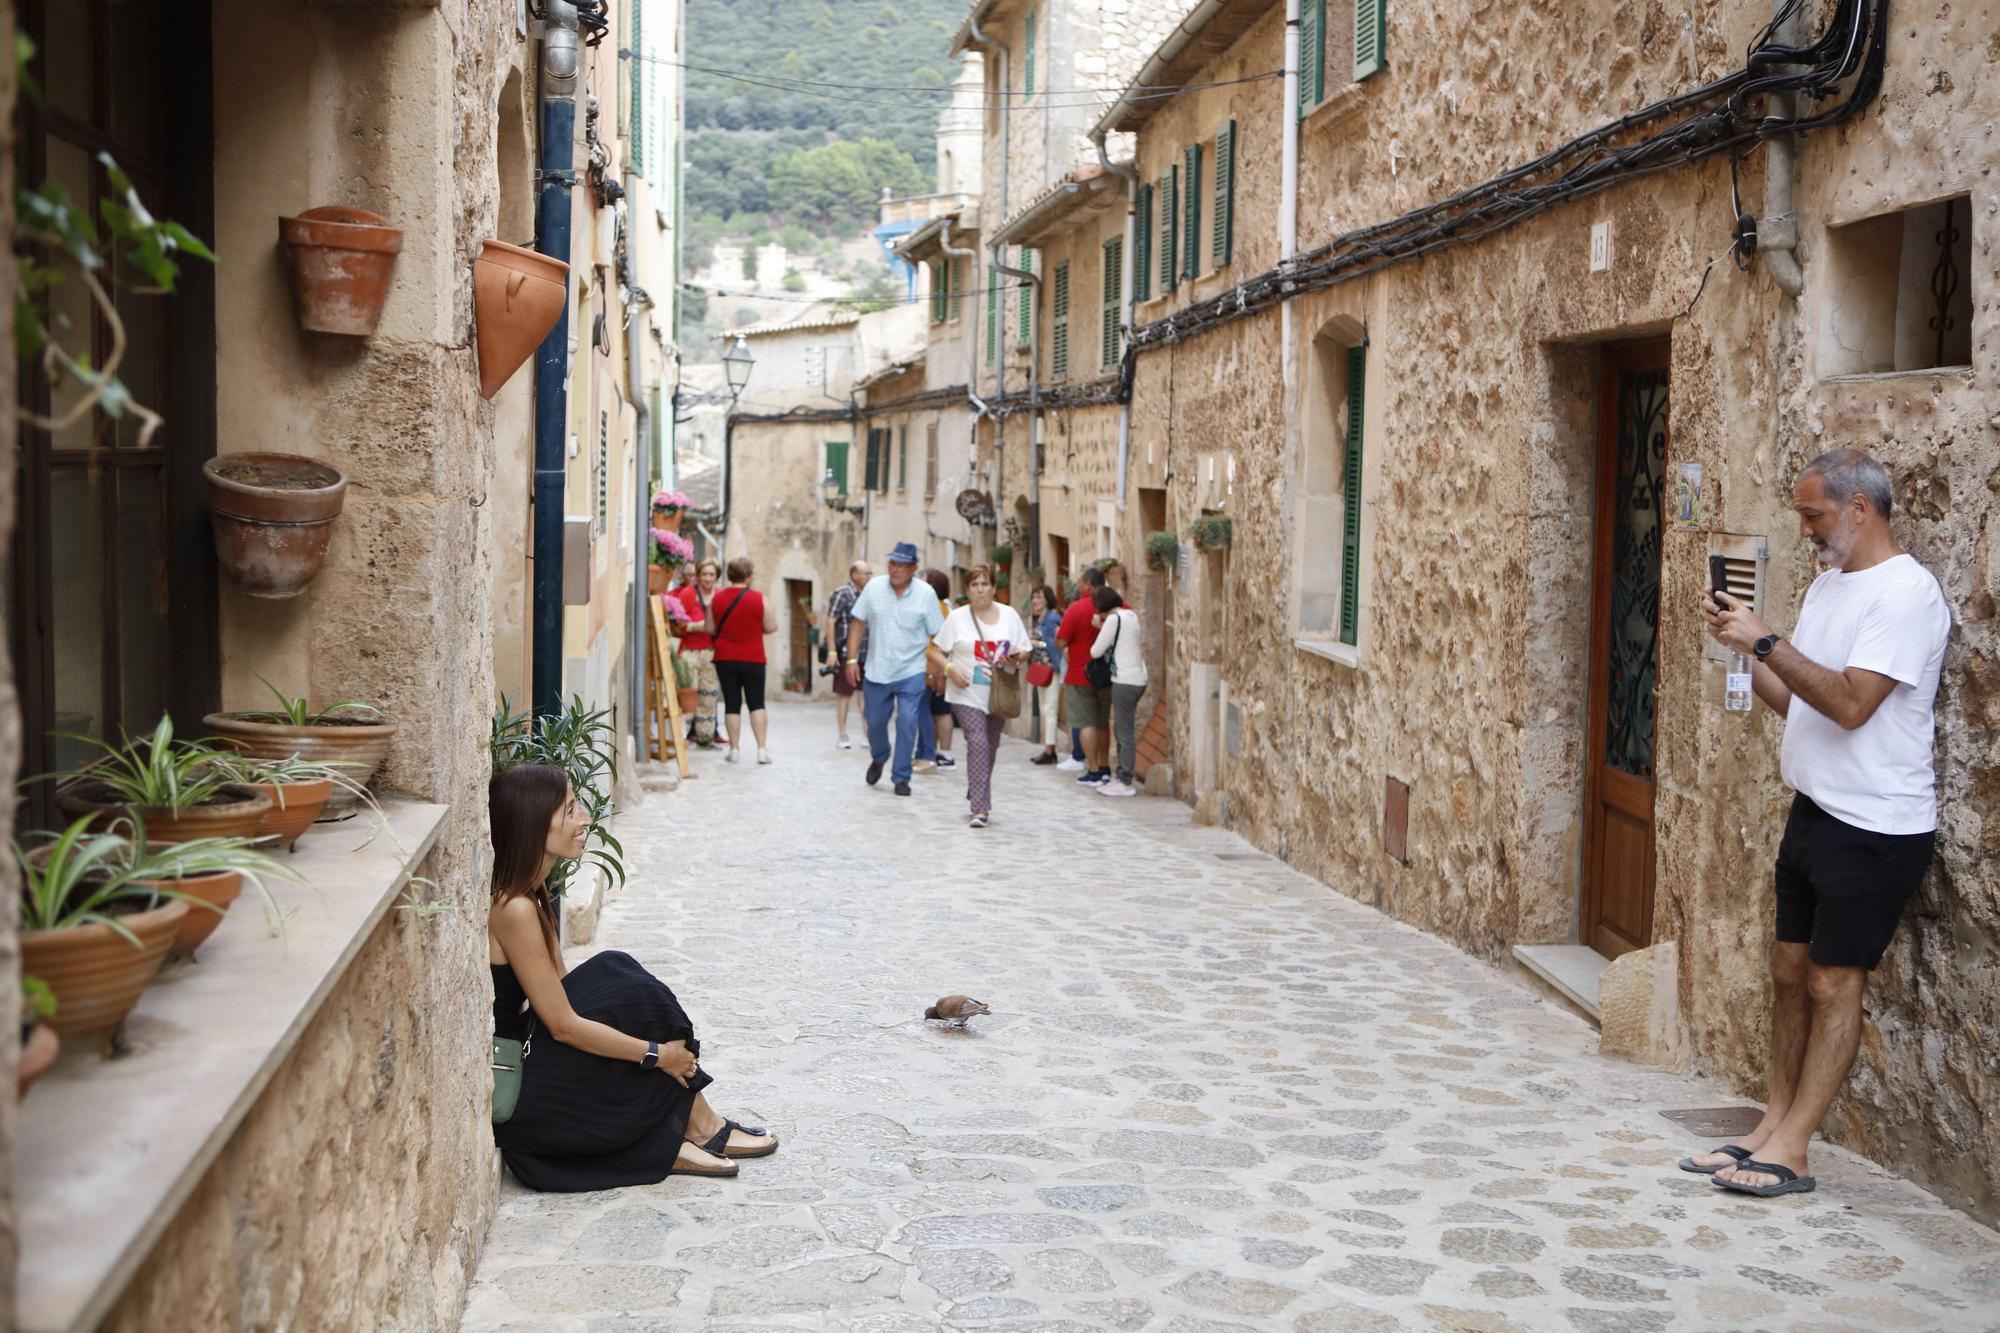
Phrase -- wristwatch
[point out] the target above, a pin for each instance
(652, 1056)
(1765, 646)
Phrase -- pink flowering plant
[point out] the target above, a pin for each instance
(677, 615)
(670, 549)
(672, 501)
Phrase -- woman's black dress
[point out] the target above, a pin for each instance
(587, 1122)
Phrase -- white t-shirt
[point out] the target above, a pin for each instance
(1120, 636)
(972, 647)
(1891, 619)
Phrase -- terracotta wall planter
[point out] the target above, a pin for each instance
(517, 296)
(218, 890)
(39, 1048)
(97, 974)
(361, 745)
(340, 261)
(657, 579)
(234, 817)
(272, 515)
(669, 520)
(294, 814)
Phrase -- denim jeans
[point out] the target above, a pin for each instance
(905, 699)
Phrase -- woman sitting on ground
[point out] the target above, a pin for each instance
(611, 1086)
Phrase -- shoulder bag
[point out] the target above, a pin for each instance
(510, 1057)
(1005, 699)
(1098, 670)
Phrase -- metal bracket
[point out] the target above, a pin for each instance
(566, 179)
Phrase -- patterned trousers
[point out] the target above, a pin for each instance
(982, 741)
(703, 662)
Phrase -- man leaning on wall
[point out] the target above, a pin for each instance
(1855, 683)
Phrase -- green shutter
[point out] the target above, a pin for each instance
(1371, 33)
(1221, 231)
(836, 462)
(1142, 244)
(903, 457)
(1350, 485)
(1028, 65)
(868, 471)
(992, 313)
(939, 292)
(955, 272)
(1112, 344)
(1312, 55)
(1027, 265)
(1059, 338)
(1170, 230)
(1191, 214)
(636, 118)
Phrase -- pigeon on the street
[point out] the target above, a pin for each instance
(957, 1010)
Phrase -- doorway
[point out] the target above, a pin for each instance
(1632, 443)
(799, 610)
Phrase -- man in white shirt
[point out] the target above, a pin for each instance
(1855, 684)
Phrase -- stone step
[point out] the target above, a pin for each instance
(1572, 969)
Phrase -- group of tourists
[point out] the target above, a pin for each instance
(922, 666)
(724, 646)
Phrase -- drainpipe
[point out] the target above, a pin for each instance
(552, 225)
(1288, 248)
(1130, 175)
(972, 359)
(637, 322)
(1778, 233)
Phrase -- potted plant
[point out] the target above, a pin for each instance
(40, 1043)
(1211, 532)
(298, 790)
(354, 735)
(1162, 550)
(1003, 584)
(172, 785)
(272, 516)
(670, 510)
(340, 260)
(517, 296)
(670, 552)
(1003, 556)
(689, 697)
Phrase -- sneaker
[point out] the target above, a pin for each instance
(874, 774)
(946, 761)
(979, 820)
(902, 789)
(923, 766)
(846, 744)
(1068, 765)
(763, 756)
(733, 757)
(1045, 757)
(1096, 778)
(1116, 788)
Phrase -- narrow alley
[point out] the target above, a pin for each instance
(1212, 1095)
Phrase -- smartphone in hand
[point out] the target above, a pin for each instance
(1718, 582)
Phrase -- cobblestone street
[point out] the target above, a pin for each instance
(1213, 1094)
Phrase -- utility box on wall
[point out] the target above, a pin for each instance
(1747, 559)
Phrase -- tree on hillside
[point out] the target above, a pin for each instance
(840, 184)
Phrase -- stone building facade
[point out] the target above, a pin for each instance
(347, 1182)
(1391, 678)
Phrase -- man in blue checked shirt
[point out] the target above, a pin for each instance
(895, 616)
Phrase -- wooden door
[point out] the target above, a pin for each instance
(1624, 648)
(799, 604)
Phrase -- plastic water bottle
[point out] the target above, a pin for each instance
(1736, 697)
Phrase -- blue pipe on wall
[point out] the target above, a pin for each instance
(552, 227)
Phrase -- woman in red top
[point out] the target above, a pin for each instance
(739, 618)
(698, 647)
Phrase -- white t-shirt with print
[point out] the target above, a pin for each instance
(1891, 619)
(973, 646)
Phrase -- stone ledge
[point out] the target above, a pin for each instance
(1343, 654)
(107, 1151)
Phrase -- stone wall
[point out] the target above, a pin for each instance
(1468, 679)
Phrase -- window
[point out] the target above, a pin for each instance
(1224, 225)
(1170, 273)
(1330, 489)
(1350, 499)
(1312, 55)
(1059, 337)
(1371, 32)
(940, 292)
(1902, 285)
(992, 314)
(1028, 59)
(955, 271)
(1027, 265)
(930, 461)
(1365, 41)
(836, 462)
(903, 457)
(1142, 244)
(1113, 316)
(1191, 213)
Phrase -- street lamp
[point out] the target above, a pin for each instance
(736, 364)
(833, 492)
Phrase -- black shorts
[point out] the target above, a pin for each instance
(1841, 889)
(742, 683)
(935, 702)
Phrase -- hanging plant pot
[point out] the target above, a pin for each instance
(340, 260)
(272, 515)
(517, 296)
(359, 745)
(657, 579)
(97, 974)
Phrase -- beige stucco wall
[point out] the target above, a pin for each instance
(1479, 441)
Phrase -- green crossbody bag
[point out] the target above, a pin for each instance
(509, 1057)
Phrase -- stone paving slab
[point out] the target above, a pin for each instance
(1213, 1095)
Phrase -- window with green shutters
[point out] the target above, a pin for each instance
(955, 271)
(1191, 213)
(1312, 55)
(1222, 228)
(1059, 323)
(1170, 229)
(836, 462)
(992, 314)
(1371, 32)
(1028, 61)
(636, 118)
(873, 460)
(1142, 244)
(1350, 487)
(903, 458)
(940, 292)
(1113, 314)
(1026, 263)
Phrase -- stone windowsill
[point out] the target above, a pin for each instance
(1345, 654)
(107, 1151)
(1963, 373)
(1340, 104)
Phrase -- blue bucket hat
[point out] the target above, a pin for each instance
(904, 554)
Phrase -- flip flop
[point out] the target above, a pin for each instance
(718, 1145)
(1789, 1181)
(1741, 1155)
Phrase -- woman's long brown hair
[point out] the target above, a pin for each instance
(521, 804)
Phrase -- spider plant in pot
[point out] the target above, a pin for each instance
(299, 789)
(353, 734)
(172, 785)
